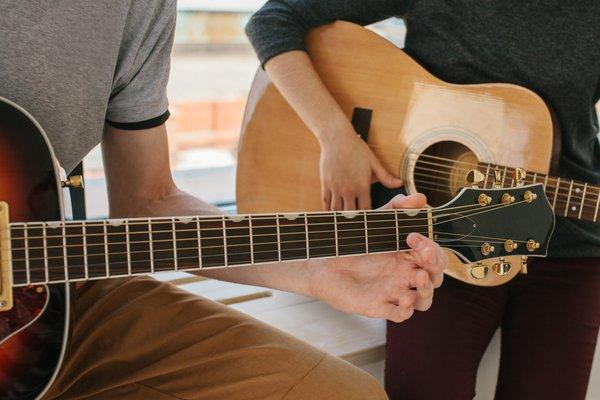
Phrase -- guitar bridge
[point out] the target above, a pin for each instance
(6, 298)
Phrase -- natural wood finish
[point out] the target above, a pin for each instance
(279, 157)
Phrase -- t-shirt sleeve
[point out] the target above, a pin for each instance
(139, 93)
(281, 25)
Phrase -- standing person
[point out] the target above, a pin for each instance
(96, 71)
(550, 317)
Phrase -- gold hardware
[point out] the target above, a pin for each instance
(507, 198)
(510, 246)
(474, 177)
(479, 271)
(39, 289)
(497, 179)
(501, 267)
(73, 181)
(484, 199)
(6, 299)
(524, 265)
(487, 248)
(529, 196)
(520, 175)
(532, 245)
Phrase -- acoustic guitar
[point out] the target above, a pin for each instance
(42, 253)
(424, 130)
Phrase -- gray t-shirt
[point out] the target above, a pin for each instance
(74, 65)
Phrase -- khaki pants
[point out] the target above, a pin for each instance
(144, 339)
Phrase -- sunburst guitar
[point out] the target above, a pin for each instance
(431, 133)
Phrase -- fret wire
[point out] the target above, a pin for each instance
(504, 175)
(232, 236)
(251, 239)
(198, 238)
(534, 177)
(151, 246)
(386, 213)
(308, 242)
(278, 237)
(85, 253)
(45, 245)
(27, 264)
(487, 173)
(127, 245)
(398, 228)
(64, 242)
(225, 241)
(582, 200)
(275, 260)
(176, 264)
(546, 182)
(288, 241)
(568, 199)
(597, 204)
(335, 227)
(105, 230)
(556, 194)
(366, 232)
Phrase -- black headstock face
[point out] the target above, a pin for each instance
(479, 224)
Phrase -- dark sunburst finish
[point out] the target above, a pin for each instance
(31, 341)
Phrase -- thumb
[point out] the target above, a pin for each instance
(381, 175)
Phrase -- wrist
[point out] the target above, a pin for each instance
(334, 133)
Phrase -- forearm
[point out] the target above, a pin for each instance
(301, 86)
(291, 276)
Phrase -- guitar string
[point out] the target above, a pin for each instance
(453, 218)
(232, 218)
(471, 165)
(154, 232)
(561, 190)
(246, 245)
(550, 179)
(115, 264)
(195, 239)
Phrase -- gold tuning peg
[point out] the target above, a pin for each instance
(474, 177)
(73, 181)
(520, 175)
(497, 179)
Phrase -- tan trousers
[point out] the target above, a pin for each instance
(144, 339)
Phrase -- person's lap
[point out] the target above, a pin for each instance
(140, 339)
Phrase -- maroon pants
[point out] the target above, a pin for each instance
(549, 320)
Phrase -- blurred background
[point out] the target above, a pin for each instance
(212, 69)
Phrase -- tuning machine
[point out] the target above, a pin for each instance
(474, 177)
(520, 175)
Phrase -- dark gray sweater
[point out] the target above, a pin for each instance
(551, 47)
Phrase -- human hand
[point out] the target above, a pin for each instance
(388, 285)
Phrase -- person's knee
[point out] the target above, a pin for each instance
(333, 379)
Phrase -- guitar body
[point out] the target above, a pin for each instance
(413, 113)
(33, 334)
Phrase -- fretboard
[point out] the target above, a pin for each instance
(75, 251)
(569, 198)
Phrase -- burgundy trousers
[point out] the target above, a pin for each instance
(549, 321)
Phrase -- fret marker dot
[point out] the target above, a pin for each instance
(577, 190)
(574, 208)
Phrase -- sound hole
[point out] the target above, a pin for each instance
(441, 169)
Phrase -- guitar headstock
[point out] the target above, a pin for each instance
(482, 224)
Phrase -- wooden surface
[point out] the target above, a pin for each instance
(278, 156)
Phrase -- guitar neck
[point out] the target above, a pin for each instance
(569, 198)
(75, 251)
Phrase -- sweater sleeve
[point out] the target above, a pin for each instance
(281, 25)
